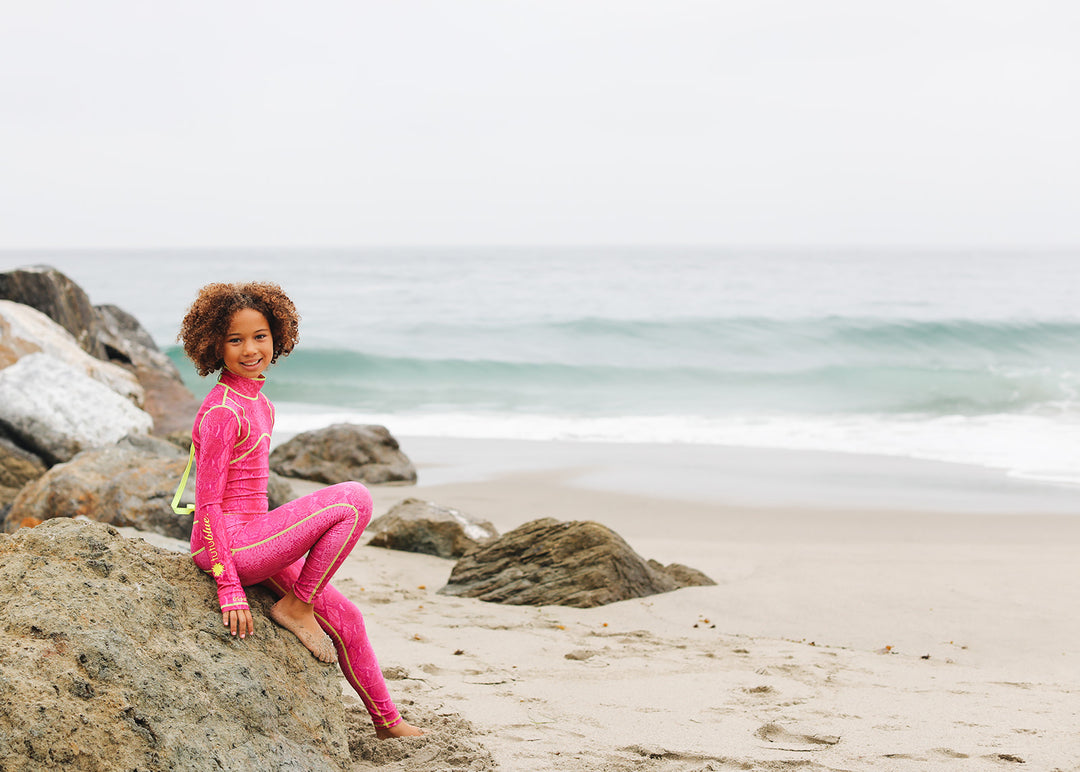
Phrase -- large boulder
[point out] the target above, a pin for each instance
(58, 297)
(17, 468)
(25, 330)
(414, 525)
(344, 452)
(169, 402)
(55, 411)
(120, 484)
(113, 657)
(581, 564)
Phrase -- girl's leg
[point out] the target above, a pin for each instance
(344, 623)
(324, 526)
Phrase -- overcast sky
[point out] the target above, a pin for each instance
(758, 122)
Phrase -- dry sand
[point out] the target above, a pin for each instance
(868, 627)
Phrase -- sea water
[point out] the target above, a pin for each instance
(967, 357)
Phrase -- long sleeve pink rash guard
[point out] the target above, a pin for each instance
(232, 453)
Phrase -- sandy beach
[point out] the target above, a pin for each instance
(857, 624)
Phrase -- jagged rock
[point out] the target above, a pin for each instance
(58, 297)
(113, 657)
(581, 564)
(413, 525)
(17, 468)
(25, 330)
(120, 484)
(168, 400)
(54, 411)
(344, 452)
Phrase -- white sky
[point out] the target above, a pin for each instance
(759, 122)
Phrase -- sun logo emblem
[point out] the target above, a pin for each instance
(217, 569)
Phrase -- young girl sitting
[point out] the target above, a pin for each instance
(241, 329)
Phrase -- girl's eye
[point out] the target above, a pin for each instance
(234, 340)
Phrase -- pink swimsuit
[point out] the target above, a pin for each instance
(298, 546)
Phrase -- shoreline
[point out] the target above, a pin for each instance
(746, 477)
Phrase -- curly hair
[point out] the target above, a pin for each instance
(206, 323)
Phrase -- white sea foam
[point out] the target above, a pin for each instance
(1028, 447)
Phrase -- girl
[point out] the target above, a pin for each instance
(241, 329)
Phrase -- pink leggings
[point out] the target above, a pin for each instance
(324, 526)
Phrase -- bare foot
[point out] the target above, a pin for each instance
(299, 618)
(397, 730)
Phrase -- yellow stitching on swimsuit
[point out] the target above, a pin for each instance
(356, 521)
(251, 450)
(215, 407)
(294, 525)
(355, 677)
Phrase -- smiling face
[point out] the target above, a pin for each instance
(249, 346)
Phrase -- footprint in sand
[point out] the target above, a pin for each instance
(785, 740)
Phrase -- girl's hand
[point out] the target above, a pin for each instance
(239, 621)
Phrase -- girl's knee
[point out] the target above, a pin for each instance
(358, 496)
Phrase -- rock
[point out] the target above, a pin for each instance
(119, 484)
(581, 564)
(126, 340)
(25, 330)
(278, 491)
(413, 525)
(55, 411)
(17, 468)
(344, 452)
(684, 576)
(169, 402)
(58, 297)
(113, 657)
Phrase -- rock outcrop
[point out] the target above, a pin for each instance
(106, 333)
(113, 657)
(120, 484)
(581, 564)
(25, 330)
(18, 467)
(413, 525)
(168, 401)
(344, 452)
(58, 297)
(55, 411)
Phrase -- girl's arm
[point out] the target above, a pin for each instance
(218, 432)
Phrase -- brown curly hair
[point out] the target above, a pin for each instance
(207, 321)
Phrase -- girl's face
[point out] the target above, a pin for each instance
(249, 346)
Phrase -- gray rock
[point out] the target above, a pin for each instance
(168, 400)
(55, 411)
(581, 564)
(118, 484)
(278, 491)
(126, 340)
(413, 525)
(58, 297)
(113, 657)
(25, 330)
(17, 468)
(344, 452)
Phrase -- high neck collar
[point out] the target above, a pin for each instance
(247, 387)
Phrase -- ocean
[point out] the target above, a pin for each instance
(966, 357)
